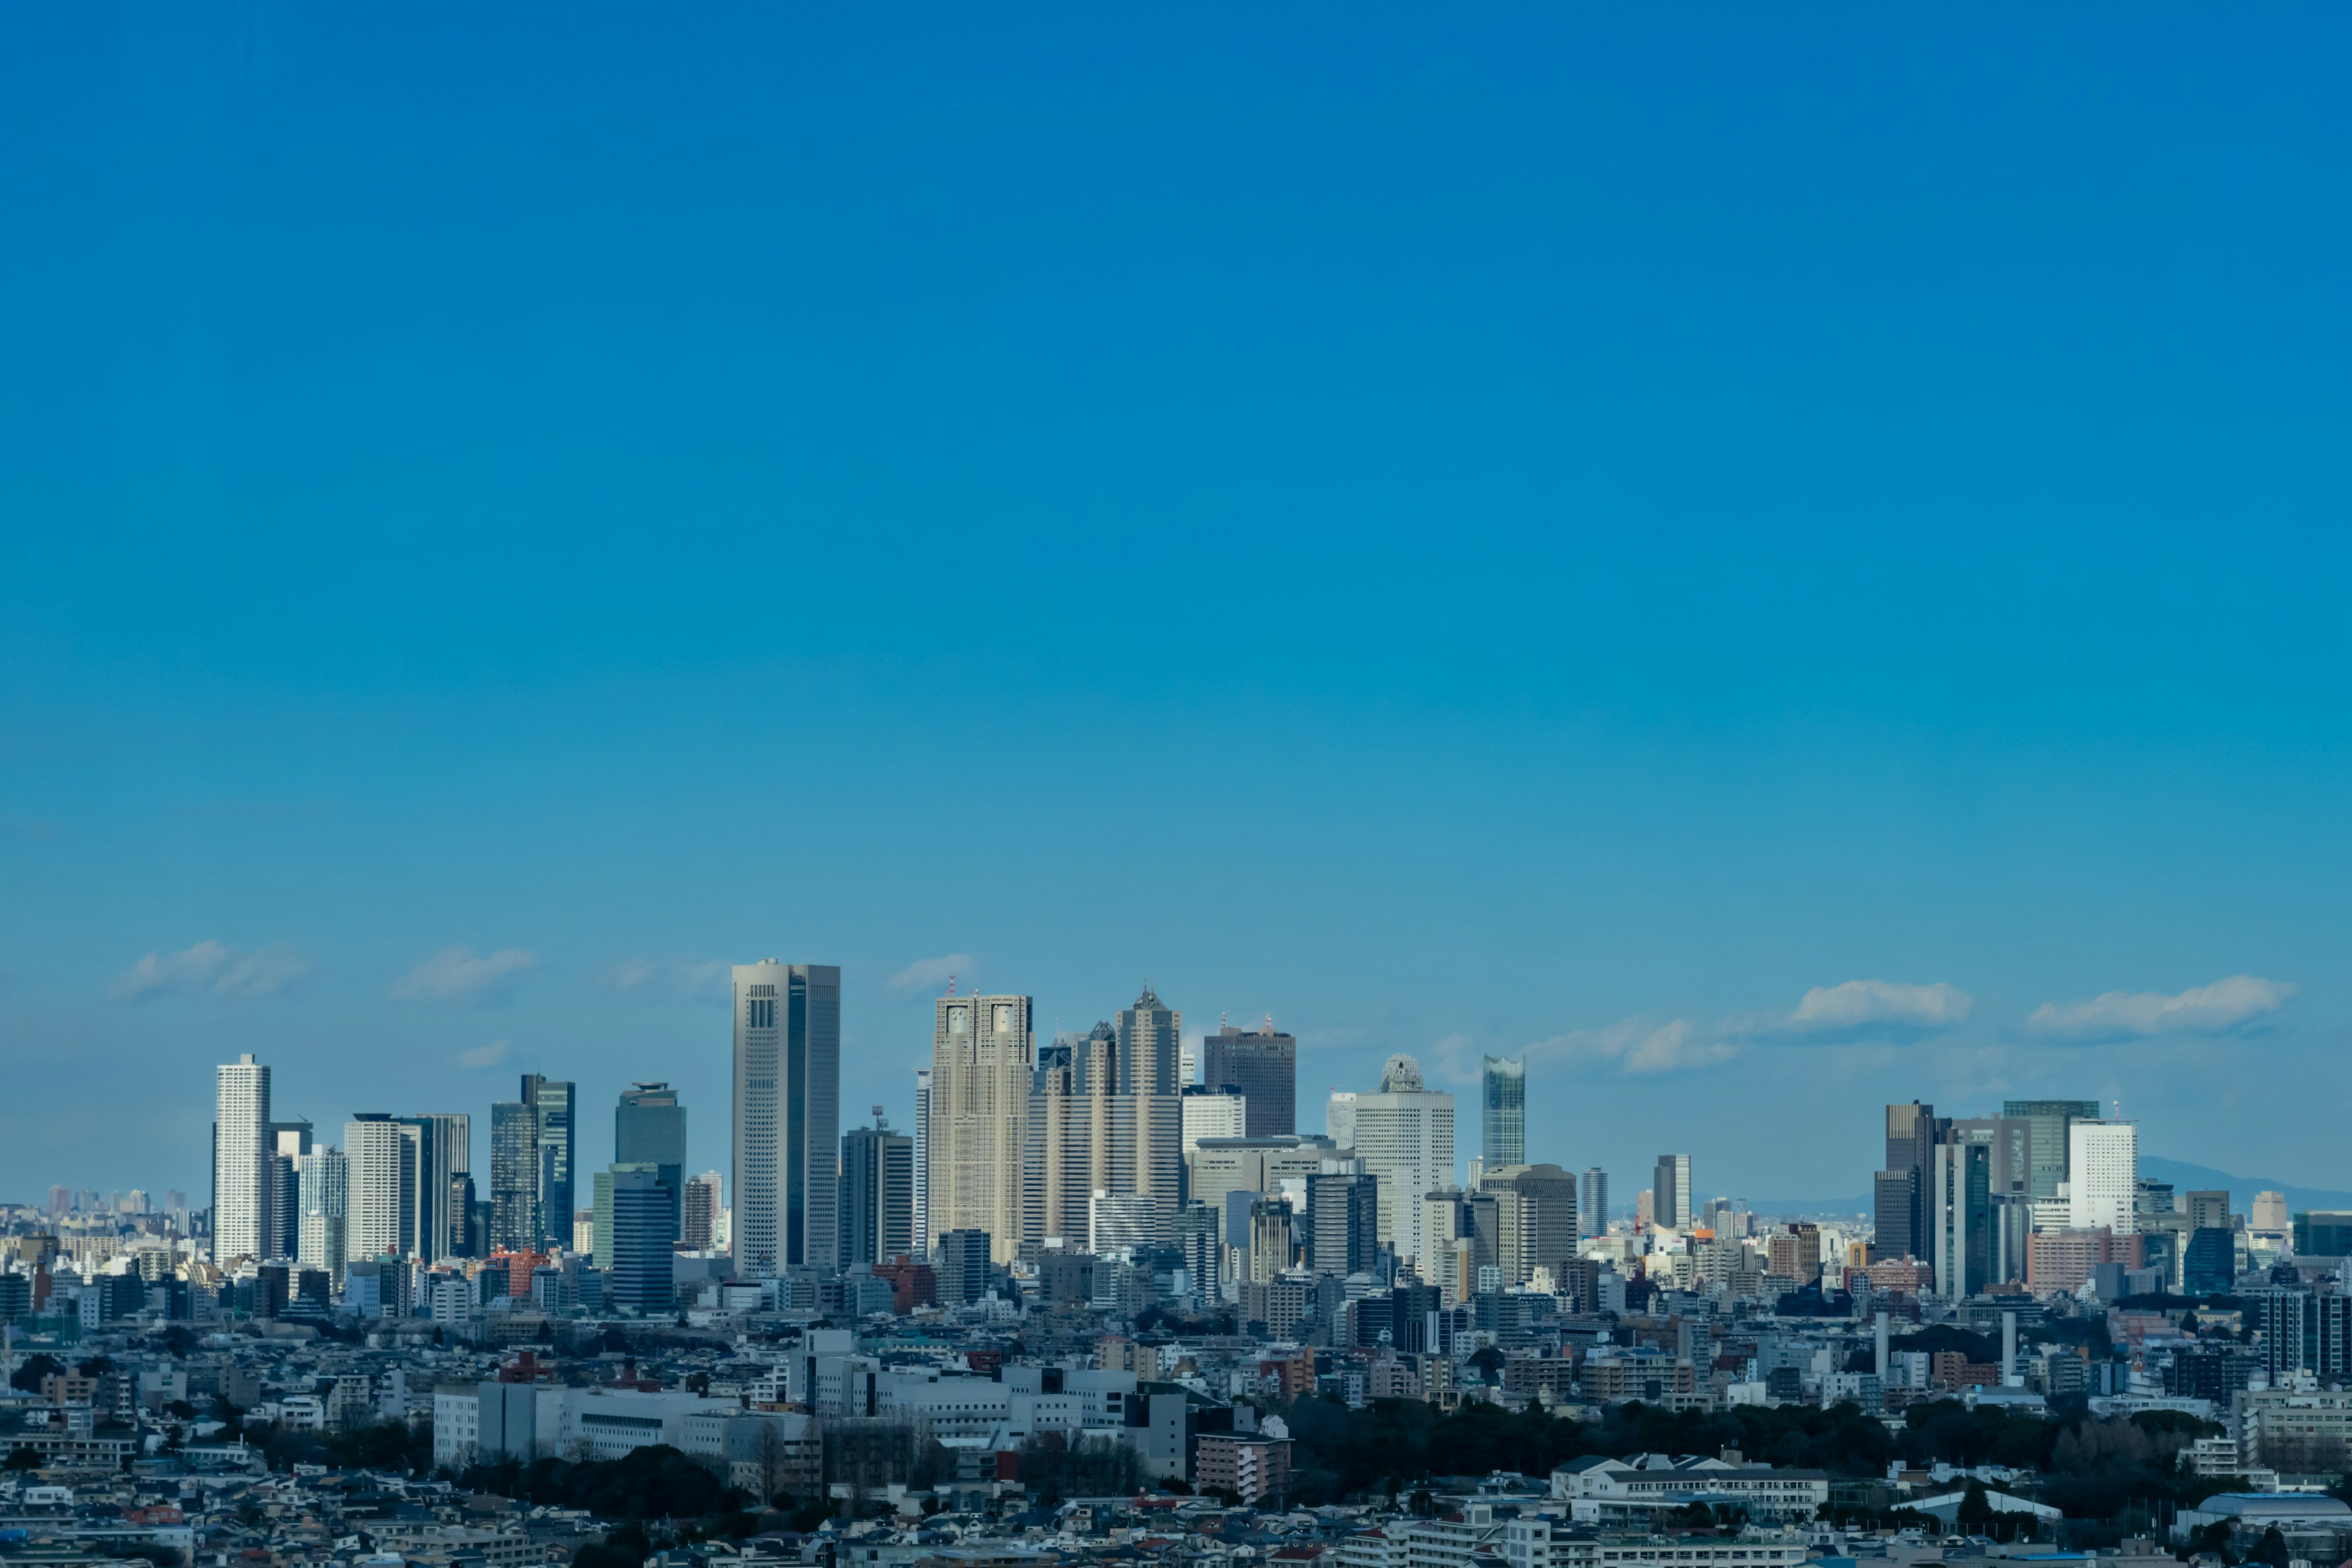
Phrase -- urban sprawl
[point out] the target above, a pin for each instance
(1103, 1300)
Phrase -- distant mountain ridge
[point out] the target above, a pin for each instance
(2185, 1177)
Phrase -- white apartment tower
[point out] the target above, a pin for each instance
(380, 1200)
(787, 1116)
(322, 1177)
(1404, 1136)
(984, 1050)
(2103, 1175)
(241, 1160)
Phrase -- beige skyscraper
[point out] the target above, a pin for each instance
(984, 1051)
(1095, 1136)
(1404, 1136)
(787, 1116)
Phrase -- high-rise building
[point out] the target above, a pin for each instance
(1198, 1238)
(649, 1129)
(1670, 1190)
(923, 1159)
(241, 1207)
(558, 1126)
(440, 1146)
(1404, 1134)
(1503, 1139)
(323, 1181)
(877, 1193)
(2047, 1149)
(643, 1235)
(984, 1051)
(1903, 1187)
(1093, 1142)
(1262, 1067)
(1343, 1217)
(1535, 1219)
(514, 1176)
(2102, 1174)
(1270, 1239)
(1592, 1204)
(289, 1142)
(701, 1211)
(1209, 1114)
(2208, 1209)
(381, 1203)
(964, 1268)
(787, 1116)
(1150, 1039)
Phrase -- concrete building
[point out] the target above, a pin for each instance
(787, 1117)
(1209, 1114)
(644, 1211)
(649, 1129)
(1593, 1203)
(1670, 1192)
(324, 1180)
(984, 1051)
(381, 1198)
(1088, 1132)
(877, 1193)
(923, 1159)
(698, 1224)
(1262, 1066)
(1342, 1231)
(1403, 1133)
(514, 1176)
(1535, 1219)
(241, 1206)
(2049, 1140)
(2102, 1175)
(557, 1126)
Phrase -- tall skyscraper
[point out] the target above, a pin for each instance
(381, 1203)
(1150, 1039)
(514, 1176)
(1504, 1135)
(1592, 1204)
(2102, 1175)
(983, 1053)
(702, 1212)
(787, 1115)
(1091, 1134)
(241, 1160)
(1904, 1188)
(323, 1181)
(2049, 1120)
(642, 1258)
(1404, 1134)
(649, 1129)
(1343, 1215)
(1262, 1066)
(440, 1144)
(1670, 1189)
(1534, 1215)
(877, 1193)
(923, 1159)
(559, 1123)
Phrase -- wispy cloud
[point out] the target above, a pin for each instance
(457, 975)
(481, 1056)
(2135, 1015)
(1641, 1045)
(692, 979)
(1867, 1004)
(929, 972)
(210, 968)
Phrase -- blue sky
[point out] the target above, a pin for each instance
(1579, 531)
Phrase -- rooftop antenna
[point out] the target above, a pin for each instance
(950, 985)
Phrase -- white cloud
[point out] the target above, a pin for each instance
(457, 974)
(1641, 1045)
(2125, 1014)
(1863, 1004)
(211, 968)
(693, 979)
(481, 1056)
(929, 972)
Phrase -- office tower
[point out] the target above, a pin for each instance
(984, 1053)
(1223, 1167)
(923, 1159)
(557, 1104)
(1089, 1135)
(1150, 1037)
(1592, 1204)
(469, 1231)
(1188, 1066)
(641, 1209)
(1959, 1222)
(1198, 1238)
(381, 1199)
(1404, 1134)
(1343, 1219)
(514, 1176)
(649, 1129)
(1670, 1189)
(1209, 1114)
(1503, 1138)
(1902, 1188)
(2102, 1171)
(701, 1210)
(877, 1193)
(964, 1256)
(440, 1145)
(323, 1180)
(2270, 1212)
(1262, 1066)
(2210, 1210)
(2047, 1152)
(289, 1142)
(241, 1160)
(787, 1116)
(1535, 1219)
(1270, 1239)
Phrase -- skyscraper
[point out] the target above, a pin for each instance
(1670, 1189)
(241, 1160)
(323, 1181)
(1150, 1039)
(649, 1129)
(983, 1053)
(514, 1176)
(1091, 1134)
(1535, 1212)
(381, 1201)
(923, 1158)
(642, 1255)
(289, 1142)
(2102, 1175)
(2047, 1152)
(1904, 1189)
(877, 1193)
(559, 1124)
(1262, 1066)
(1504, 1134)
(1404, 1134)
(1342, 1230)
(441, 1144)
(702, 1212)
(1592, 1204)
(787, 1115)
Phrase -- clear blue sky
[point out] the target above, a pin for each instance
(1535, 526)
